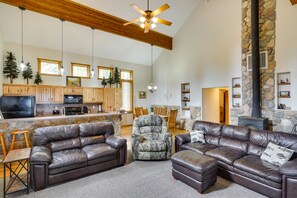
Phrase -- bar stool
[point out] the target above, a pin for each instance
(3, 144)
(15, 133)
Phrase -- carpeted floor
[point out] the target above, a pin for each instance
(138, 180)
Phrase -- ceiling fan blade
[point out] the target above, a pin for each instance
(164, 22)
(147, 27)
(161, 9)
(128, 23)
(138, 9)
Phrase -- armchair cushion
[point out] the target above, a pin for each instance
(41, 154)
(152, 145)
(115, 142)
(289, 168)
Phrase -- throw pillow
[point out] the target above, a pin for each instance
(197, 136)
(276, 154)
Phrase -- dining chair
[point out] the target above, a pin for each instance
(138, 111)
(144, 111)
(156, 110)
(172, 119)
(163, 111)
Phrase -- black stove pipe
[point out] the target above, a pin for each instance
(256, 108)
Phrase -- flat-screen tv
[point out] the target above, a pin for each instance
(17, 106)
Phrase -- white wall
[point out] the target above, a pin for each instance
(141, 72)
(207, 53)
(286, 43)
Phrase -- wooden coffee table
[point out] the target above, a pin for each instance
(18, 180)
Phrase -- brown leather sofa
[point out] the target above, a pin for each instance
(238, 150)
(61, 153)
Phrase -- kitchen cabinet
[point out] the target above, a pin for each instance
(49, 94)
(19, 90)
(112, 99)
(93, 95)
(73, 91)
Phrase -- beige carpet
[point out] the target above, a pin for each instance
(138, 180)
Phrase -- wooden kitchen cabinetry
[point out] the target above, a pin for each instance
(112, 99)
(19, 90)
(49, 94)
(93, 95)
(73, 91)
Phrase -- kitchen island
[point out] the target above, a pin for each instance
(9, 125)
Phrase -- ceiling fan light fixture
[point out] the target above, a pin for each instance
(155, 19)
(142, 19)
(142, 25)
(153, 25)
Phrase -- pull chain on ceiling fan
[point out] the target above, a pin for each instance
(148, 18)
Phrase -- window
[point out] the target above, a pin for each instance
(127, 89)
(104, 72)
(80, 70)
(49, 67)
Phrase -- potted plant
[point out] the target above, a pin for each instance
(10, 69)
(110, 80)
(38, 79)
(104, 82)
(117, 79)
(28, 73)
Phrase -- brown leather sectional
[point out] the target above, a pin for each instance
(238, 150)
(61, 153)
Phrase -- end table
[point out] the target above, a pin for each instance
(18, 180)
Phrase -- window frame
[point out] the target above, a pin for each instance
(81, 65)
(39, 60)
(111, 69)
(132, 86)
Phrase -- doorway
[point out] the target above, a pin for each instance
(215, 105)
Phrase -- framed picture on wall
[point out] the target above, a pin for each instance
(142, 94)
(73, 81)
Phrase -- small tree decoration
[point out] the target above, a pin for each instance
(37, 80)
(103, 82)
(110, 80)
(117, 79)
(11, 69)
(28, 73)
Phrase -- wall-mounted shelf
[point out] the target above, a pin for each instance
(185, 99)
(284, 101)
(236, 92)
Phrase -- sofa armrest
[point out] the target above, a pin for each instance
(115, 142)
(41, 154)
(289, 168)
(180, 140)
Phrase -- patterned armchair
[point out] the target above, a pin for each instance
(150, 138)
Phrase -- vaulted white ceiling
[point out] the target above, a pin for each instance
(43, 31)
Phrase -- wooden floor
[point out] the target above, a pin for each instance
(126, 133)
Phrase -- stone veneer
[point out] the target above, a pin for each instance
(9, 125)
(280, 119)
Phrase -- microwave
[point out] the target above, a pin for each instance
(73, 99)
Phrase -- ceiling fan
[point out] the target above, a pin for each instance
(148, 19)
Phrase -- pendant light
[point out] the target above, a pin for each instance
(22, 65)
(92, 72)
(62, 48)
(152, 88)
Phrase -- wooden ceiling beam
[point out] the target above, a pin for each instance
(86, 16)
(294, 2)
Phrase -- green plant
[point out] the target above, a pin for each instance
(110, 80)
(11, 69)
(104, 82)
(117, 79)
(152, 109)
(38, 79)
(28, 73)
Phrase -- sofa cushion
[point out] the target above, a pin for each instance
(92, 140)
(225, 154)
(198, 147)
(212, 131)
(253, 164)
(259, 140)
(96, 128)
(98, 150)
(152, 145)
(46, 135)
(65, 144)
(67, 160)
(235, 137)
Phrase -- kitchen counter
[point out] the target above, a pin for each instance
(62, 116)
(30, 124)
